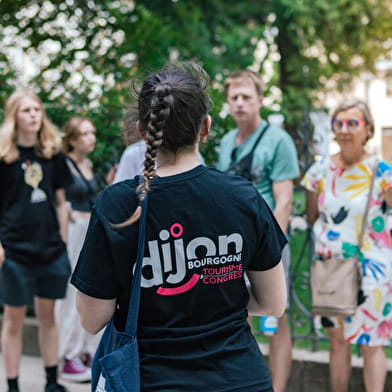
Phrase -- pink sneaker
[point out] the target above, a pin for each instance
(74, 370)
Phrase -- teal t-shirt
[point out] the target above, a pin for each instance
(275, 158)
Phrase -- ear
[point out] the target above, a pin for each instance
(260, 99)
(140, 130)
(205, 128)
(368, 134)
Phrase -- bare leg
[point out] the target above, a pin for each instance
(48, 334)
(339, 360)
(11, 338)
(375, 368)
(280, 352)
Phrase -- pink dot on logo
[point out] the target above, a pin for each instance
(176, 230)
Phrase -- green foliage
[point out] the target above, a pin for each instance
(87, 52)
(7, 76)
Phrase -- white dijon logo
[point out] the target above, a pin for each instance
(169, 262)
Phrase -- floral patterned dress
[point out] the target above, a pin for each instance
(342, 196)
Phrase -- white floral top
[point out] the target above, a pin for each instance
(342, 196)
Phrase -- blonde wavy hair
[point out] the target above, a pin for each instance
(48, 141)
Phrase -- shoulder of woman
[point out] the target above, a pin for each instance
(117, 199)
(233, 187)
(384, 167)
(118, 191)
(220, 179)
(59, 156)
(139, 146)
(319, 164)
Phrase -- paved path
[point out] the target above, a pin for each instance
(32, 374)
(314, 377)
(32, 377)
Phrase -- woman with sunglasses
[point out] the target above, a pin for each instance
(337, 191)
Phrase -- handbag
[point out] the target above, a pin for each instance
(243, 167)
(115, 366)
(336, 282)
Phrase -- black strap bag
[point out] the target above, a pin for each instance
(243, 167)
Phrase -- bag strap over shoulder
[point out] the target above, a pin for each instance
(259, 138)
(134, 299)
(366, 213)
(84, 179)
(256, 143)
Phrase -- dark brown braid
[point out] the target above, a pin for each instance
(172, 105)
(161, 105)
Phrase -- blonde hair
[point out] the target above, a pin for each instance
(72, 131)
(48, 140)
(245, 76)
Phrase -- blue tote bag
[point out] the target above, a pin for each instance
(116, 362)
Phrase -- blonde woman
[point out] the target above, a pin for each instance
(76, 346)
(33, 215)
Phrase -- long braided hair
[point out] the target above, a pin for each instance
(172, 106)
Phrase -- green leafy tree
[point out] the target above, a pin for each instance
(87, 52)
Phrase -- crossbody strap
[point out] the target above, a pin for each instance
(134, 299)
(85, 180)
(251, 152)
(366, 213)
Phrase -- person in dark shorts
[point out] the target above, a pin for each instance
(33, 218)
(204, 229)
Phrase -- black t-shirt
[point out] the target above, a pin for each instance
(204, 229)
(29, 229)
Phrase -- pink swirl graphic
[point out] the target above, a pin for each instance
(181, 289)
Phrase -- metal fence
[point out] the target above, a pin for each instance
(302, 323)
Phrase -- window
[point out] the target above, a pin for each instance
(386, 143)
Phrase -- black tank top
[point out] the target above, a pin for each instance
(82, 192)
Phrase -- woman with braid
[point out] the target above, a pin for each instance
(204, 230)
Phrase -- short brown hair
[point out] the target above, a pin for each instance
(245, 76)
